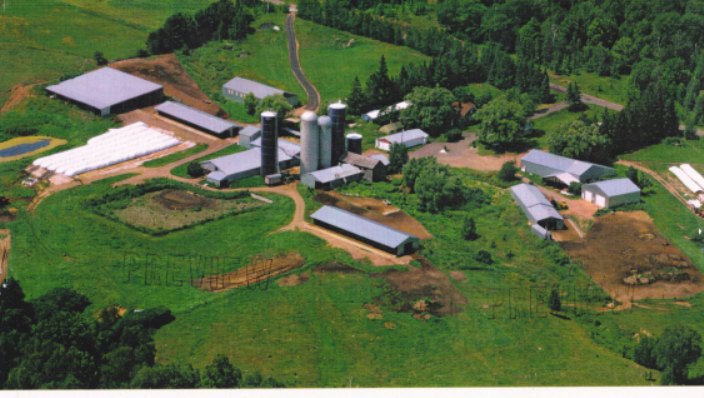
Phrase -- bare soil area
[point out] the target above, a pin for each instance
(257, 272)
(17, 95)
(625, 254)
(5, 243)
(422, 291)
(167, 71)
(461, 154)
(376, 210)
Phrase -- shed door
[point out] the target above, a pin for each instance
(600, 201)
(587, 195)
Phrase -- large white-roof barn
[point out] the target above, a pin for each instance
(107, 91)
(332, 177)
(366, 230)
(561, 169)
(611, 193)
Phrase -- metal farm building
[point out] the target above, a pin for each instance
(197, 119)
(409, 138)
(536, 207)
(366, 230)
(108, 91)
(562, 170)
(238, 88)
(611, 193)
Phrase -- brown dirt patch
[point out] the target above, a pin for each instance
(17, 94)
(260, 270)
(627, 256)
(458, 276)
(182, 200)
(335, 268)
(424, 291)
(377, 210)
(167, 71)
(293, 280)
(5, 244)
(461, 154)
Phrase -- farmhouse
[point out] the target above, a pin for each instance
(106, 91)
(332, 177)
(197, 119)
(248, 135)
(374, 169)
(226, 169)
(562, 170)
(409, 138)
(366, 230)
(536, 207)
(611, 193)
(238, 88)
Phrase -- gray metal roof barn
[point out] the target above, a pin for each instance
(332, 177)
(107, 90)
(366, 230)
(197, 118)
(248, 135)
(562, 169)
(374, 169)
(238, 88)
(409, 138)
(536, 207)
(611, 193)
(241, 165)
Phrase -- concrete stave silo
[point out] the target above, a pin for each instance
(270, 143)
(310, 142)
(325, 153)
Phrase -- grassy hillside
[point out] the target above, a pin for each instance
(331, 58)
(41, 41)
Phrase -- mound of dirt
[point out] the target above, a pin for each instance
(377, 210)
(260, 270)
(182, 200)
(293, 280)
(167, 71)
(422, 291)
(631, 260)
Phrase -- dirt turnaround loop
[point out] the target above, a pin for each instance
(625, 254)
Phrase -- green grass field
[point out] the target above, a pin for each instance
(608, 88)
(175, 156)
(559, 120)
(661, 156)
(331, 59)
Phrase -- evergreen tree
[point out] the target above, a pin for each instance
(381, 89)
(251, 103)
(508, 171)
(574, 97)
(356, 101)
(554, 302)
(469, 229)
(221, 374)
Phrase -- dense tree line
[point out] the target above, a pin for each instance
(221, 20)
(51, 342)
(672, 353)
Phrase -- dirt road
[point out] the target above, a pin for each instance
(461, 154)
(590, 99)
(312, 93)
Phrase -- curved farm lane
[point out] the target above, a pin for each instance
(590, 99)
(294, 59)
(657, 177)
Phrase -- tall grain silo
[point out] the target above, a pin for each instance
(354, 143)
(325, 124)
(337, 113)
(310, 142)
(270, 143)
